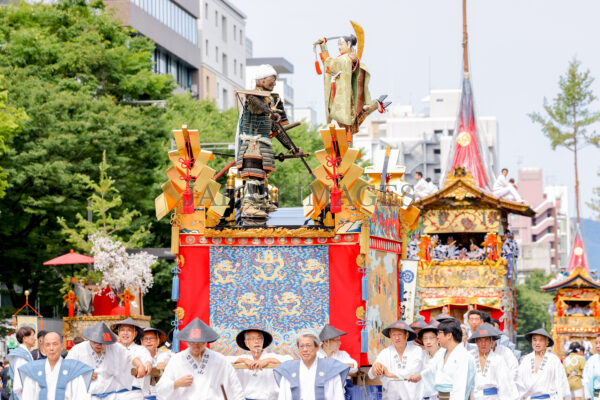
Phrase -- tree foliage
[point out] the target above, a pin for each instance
(70, 66)
(533, 303)
(569, 112)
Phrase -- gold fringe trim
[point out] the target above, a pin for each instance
(269, 232)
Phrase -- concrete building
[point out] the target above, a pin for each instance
(306, 115)
(223, 42)
(173, 26)
(284, 70)
(423, 140)
(550, 226)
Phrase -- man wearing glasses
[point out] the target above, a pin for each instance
(153, 339)
(311, 378)
(257, 377)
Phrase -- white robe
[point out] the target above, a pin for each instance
(591, 376)
(75, 390)
(495, 374)
(428, 378)
(550, 378)
(210, 372)
(458, 372)
(111, 367)
(421, 189)
(509, 358)
(505, 189)
(160, 357)
(17, 384)
(342, 357)
(411, 363)
(259, 384)
(141, 353)
(334, 388)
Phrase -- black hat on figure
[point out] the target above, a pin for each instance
(541, 332)
(485, 330)
(402, 325)
(330, 332)
(240, 339)
(100, 333)
(197, 332)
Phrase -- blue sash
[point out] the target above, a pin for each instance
(540, 397)
(104, 395)
(493, 391)
(69, 370)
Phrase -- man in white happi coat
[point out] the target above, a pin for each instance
(199, 373)
(431, 347)
(128, 332)
(109, 360)
(311, 377)
(453, 369)
(504, 189)
(493, 380)
(421, 187)
(541, 375)
(591, 374)
(19, 357)
(257, 378)
(331, 341)
(53, 378)
(153, 339)
(397, 362)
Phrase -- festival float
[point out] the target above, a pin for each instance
(466, 214)
(234, 270)
(576, 302)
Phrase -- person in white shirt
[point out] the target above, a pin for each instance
(493, 380)
(421, 187)
(257, 378)
(431, 347)
(397, 362)
(504, 189)
(112, 371)
(591, 374)
(199, 373)
(431, 187)
(541, 375)
(54, 378)
(311, 377)
(453, 369)
(330, 347)
(19, 357)
(153, 339)
(129, 332)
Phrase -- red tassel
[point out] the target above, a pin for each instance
(318, 68)
(335, 201)
(188, 201)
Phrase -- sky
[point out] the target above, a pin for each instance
(518, 49)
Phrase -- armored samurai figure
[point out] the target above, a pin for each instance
(262, 115)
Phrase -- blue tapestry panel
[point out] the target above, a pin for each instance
(282, 289)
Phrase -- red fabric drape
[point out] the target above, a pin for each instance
(104, 303)
(345, 295)
(497, 314)
(427, 315)
(578, 258)
(194, 284)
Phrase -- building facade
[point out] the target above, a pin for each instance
(423, 140)
(222, 41)
(173, 26)
(284, 70)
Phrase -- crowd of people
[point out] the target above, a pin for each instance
(452, 250)
(442, 360)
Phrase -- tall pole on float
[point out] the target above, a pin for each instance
(465, 39)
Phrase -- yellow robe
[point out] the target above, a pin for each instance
(342, 108)
(574, 364)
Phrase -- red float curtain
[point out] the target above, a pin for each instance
(427, 315)
(194, 284)
(497, 314)
(345, 295)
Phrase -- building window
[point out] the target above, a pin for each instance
(173, 16)
(216, 18)
(225, 64)
(437, 170)
(205, 10)
(241, 70)
(234, 33)
(437, 151)
(438, 132)
(206, 46)
(241, 37)
(217, 54)
(224, 28)
(225, 99)
(235, 67)
(450, 132)
(207, 86)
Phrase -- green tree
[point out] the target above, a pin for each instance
(533, 303)
(73, 70)
(11, 120)
(569, 115)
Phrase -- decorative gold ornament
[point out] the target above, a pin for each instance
(464, 139)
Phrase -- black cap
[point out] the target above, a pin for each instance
(330, 332)
(541, 332)
(241, 337)
(197, 332)
(400, 324)
(485, 330)
(100, 333)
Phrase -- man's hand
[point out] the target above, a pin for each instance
(322, 40)
(186, 381)
(95, 376)
(379, 369)
(141, 371)
(414, 378)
